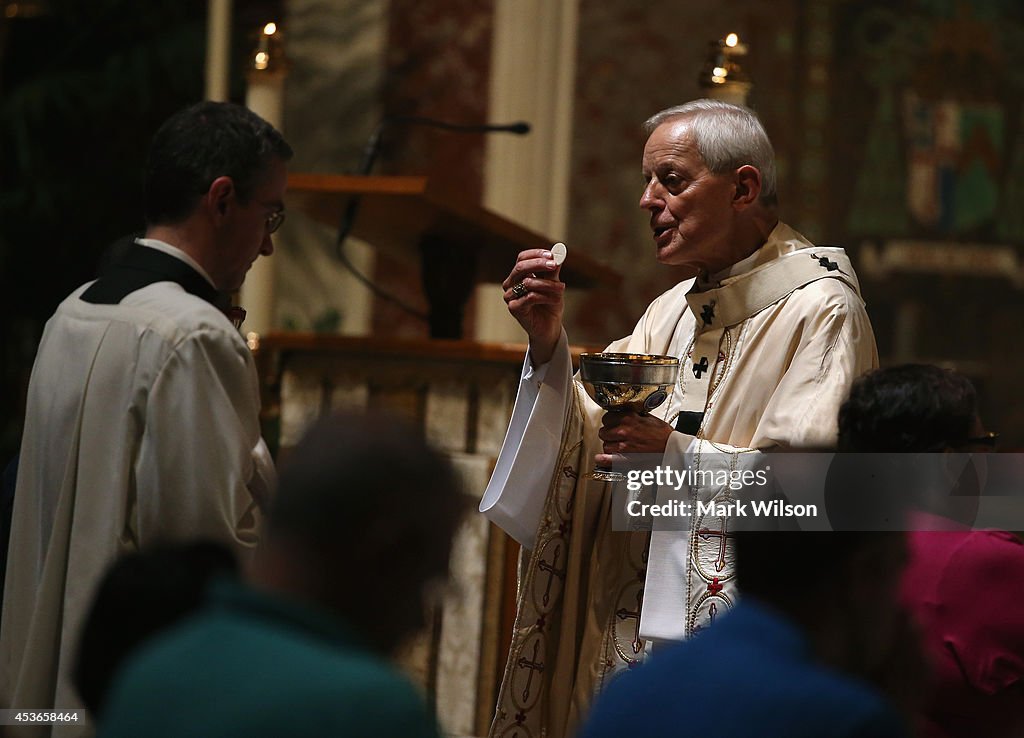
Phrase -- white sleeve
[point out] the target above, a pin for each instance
(263, 482)
(200, 446)
(515, 494)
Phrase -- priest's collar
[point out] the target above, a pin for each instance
(781, 240)
(177, 253)
(146, 264)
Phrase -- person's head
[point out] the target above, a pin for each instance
(710, 174)
(140, 595)
(224, 166)
(911, 408)
(926, 412)
(362, 524)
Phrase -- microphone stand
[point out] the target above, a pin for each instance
(370, 152)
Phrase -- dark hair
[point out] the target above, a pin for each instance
(200, 143)
(909, 408)
(140, 595)
(368, 489)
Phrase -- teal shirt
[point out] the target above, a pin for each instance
(254, 665)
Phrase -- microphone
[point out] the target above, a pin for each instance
(372, 148)
(370, 152)
(520, 127)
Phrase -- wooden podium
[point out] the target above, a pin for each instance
(459, 244)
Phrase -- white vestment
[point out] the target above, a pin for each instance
(767, 355)
(142, 425)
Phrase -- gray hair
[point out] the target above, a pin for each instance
(727, 137)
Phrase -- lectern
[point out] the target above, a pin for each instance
(459, 244)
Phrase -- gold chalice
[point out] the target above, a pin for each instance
(621, 382)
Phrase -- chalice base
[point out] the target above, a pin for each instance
(605, 475)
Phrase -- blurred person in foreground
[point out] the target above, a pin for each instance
(301, 650)
(142, 594)
(142, 417)
(961, 585)
(786, 662)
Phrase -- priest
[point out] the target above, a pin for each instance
(770, 331)
(142, 417)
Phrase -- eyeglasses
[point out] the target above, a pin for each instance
(274, 221)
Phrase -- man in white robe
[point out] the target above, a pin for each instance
(770, 333)
(142, 421)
